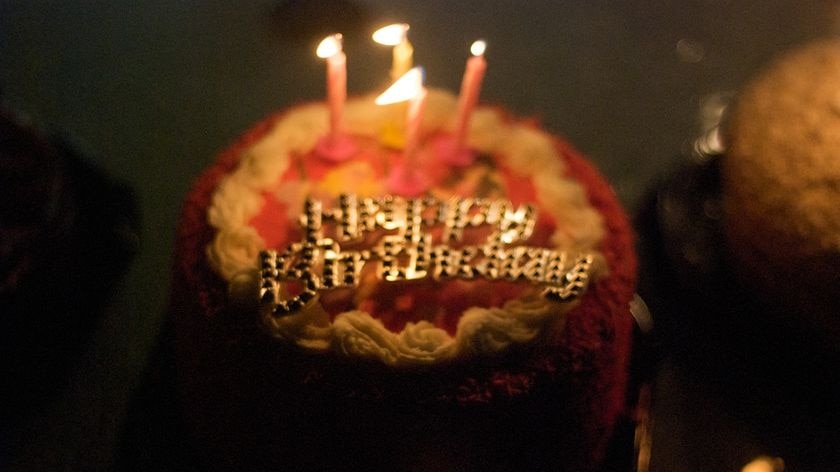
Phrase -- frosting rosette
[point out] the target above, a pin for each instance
(424, 343)
(490, 330)
(240, 246)
(357, 334)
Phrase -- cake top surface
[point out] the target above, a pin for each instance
(266, 202)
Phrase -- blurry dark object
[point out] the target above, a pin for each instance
(67, 233)
(630, 446)
(782, 386)
(780, 180)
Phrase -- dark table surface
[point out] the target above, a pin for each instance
(149, 91)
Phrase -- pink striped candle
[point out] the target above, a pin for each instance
(335, 146)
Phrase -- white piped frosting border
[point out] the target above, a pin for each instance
(234, 250)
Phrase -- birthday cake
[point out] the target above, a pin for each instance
(322, 318)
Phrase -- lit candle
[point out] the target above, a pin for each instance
(470, 88)
(453, 149)
(336, 146)
(405, 177)
(403, 53)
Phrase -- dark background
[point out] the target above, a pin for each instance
(150, 91)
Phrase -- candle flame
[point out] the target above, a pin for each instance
(478, 47)
(329, 46)
(408, 86)
(391, 35)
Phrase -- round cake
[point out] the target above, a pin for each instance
(321, 319)
(781, 184)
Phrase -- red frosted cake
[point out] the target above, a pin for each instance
(322, 321)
